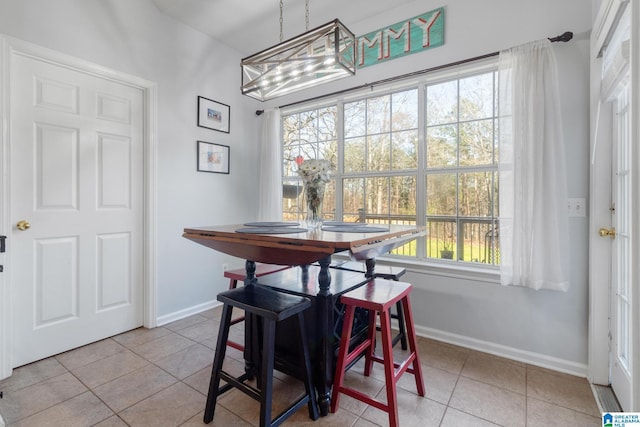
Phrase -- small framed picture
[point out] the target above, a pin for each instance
(213, 157)
(213, 115)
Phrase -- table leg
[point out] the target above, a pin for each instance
(371, 266)
(325, 331)
(250, 325)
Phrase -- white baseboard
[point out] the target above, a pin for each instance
(537, 359)
(177, 315)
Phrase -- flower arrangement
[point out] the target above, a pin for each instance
(313, 170)
(315, 176)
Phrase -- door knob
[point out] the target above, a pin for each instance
(23, 225)
(607, 232)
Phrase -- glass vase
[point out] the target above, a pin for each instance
(314, 195)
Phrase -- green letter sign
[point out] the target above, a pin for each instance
(413, 35)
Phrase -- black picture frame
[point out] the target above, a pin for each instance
(213, 115)
(213, 157)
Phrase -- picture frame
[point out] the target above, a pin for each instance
(213, 115)
(213, 157)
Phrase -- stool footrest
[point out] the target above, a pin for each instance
(351, 392)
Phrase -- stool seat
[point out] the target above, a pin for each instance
(388, 272)
(269, 307)
(377, 296)
(239, 274)
(265, 302)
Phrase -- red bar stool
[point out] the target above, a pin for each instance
(240, 274)
(377, 296)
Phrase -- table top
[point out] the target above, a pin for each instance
(301, 248)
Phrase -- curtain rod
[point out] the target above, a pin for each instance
(565, 37)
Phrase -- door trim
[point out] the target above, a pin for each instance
(10, 46)
(599, 250)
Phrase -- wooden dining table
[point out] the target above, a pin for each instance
(299, 246)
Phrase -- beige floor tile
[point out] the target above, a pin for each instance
(162, 347)
(170, 407)
(113, 421)
(355, 379)
(222, 418)
(489, 402)
(361, 422)
(140, 336)
(340, 418)
(442, 356)
(109, 368)
(413, 410)
(185, 323)
(455, 418)
(542, 414)
(188, 361)
(249, 409)
(32, 373)
(134, 387)
(201, 331)
(89, 353)
(495, 371)
(30, 400)
(200, 380)
(212, 313)
(438, 384)
(137, 374)
(569, 392)
(83, 410)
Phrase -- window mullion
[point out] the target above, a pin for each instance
(340, 166)
(421, 184)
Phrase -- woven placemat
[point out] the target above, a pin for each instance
(271, 230)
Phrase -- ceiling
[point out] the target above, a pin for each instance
(250, 26)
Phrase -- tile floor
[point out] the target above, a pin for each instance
(160, 377)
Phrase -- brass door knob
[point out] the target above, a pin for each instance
(607, 232)
(23, 225)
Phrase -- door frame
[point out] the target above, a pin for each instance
(600, 197)
(10, 46)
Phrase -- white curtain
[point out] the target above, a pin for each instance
(534, 238)
(270, 168)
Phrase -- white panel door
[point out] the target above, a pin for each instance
(76, 203)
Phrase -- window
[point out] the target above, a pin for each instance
(424, 154)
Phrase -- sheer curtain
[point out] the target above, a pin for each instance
(533, 186)
(270, 168)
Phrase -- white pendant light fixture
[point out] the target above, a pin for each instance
(320, 55)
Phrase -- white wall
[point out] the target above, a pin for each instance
(543, 327)
(135, 38)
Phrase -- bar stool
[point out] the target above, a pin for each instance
(270, 307)
(388, 272)
(377, 296)
(240, 274)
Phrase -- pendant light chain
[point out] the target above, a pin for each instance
(306, 14)
(281, 34)
(306, 17)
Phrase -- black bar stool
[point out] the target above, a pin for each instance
(270, 307)
(239, 274)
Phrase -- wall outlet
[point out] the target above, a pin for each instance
(225, 267)
(577, 207)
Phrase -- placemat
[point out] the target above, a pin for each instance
(271, 230)
(271, 224)
(343, 224)
(361, 229)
